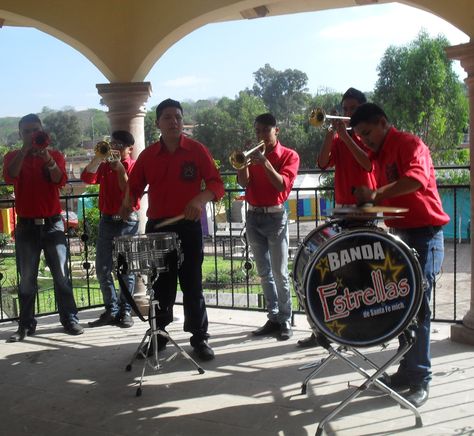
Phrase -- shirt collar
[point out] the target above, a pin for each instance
(183, 143)
(277, 149)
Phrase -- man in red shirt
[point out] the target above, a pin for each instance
(268, 180)
(175, 169)
(344, 151)
(405, 178)
(111, 173)
(37, 173)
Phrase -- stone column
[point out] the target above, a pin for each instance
(465, 53)
(126, 103)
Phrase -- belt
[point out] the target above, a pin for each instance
(39, 221)
(430, 230)
(132, 217)
(267, 209)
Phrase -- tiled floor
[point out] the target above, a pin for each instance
(54, 384)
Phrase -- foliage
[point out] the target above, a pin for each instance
(283, 92)
(228, 126)
(151, 132)
(421, 93)
(63, 128)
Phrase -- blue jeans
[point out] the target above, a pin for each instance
(429, 244)
(108, 230)
(30, 240)
(267, 234)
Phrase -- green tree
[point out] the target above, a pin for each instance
(63, 127)
(228, 125)
(283, 92)
(421, 93)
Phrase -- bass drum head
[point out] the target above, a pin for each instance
(362, 288)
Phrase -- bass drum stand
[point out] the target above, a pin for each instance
(409, 340)
(150, 338)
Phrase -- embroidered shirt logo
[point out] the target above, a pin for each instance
(188, 171)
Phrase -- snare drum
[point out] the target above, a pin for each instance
(359, 286)
(146, 252)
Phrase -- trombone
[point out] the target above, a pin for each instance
(318, 117)
(240, 159)
(104, 150)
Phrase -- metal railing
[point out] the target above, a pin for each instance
(229, 276)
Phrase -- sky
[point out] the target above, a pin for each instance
(336, 49)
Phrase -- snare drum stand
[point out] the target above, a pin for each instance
(409, 336)
(151, 340)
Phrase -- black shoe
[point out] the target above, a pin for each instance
(268, 327)
(125, 320)
(74, 329)
(396, 381)
(18, 336)
(105, 318)
(418, 395)
(204, 351)
(285, 331)
(148, 353)
(310, 341)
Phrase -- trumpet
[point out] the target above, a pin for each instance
(40, 140)
(240, 159)
(104, 150)
(318, 117)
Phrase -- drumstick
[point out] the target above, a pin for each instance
(169, 221)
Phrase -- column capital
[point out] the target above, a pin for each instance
(128, 97)
(463, 53)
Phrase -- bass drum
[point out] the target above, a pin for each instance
(361, 287)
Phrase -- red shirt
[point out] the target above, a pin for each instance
(404, 154)
(260, 192)
(110, 194)
(348, 172)
(36, 196)
(174, 178)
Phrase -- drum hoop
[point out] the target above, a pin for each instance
(415, 270)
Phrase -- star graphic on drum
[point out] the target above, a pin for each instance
(390, 270)
(323, 266)
(336, 327)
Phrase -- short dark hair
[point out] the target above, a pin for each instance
(167, 103)
(367, 113)
(30, 118)
(267, 119)
(355, 94)
(123, 136)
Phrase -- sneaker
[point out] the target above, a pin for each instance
(310, 341)
(204, 351)
(74, 328)
(268, 328)
(105, 318)
(285, 331)
(396, 381)
(125, 320)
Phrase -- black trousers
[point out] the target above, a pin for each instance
(190, 280)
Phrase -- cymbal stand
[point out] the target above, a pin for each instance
(151, 339)
(409, 336)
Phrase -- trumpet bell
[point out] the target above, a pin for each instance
(318, 117)
(240, 159)
(104, 150)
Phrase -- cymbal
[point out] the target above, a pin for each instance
(361, 210)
